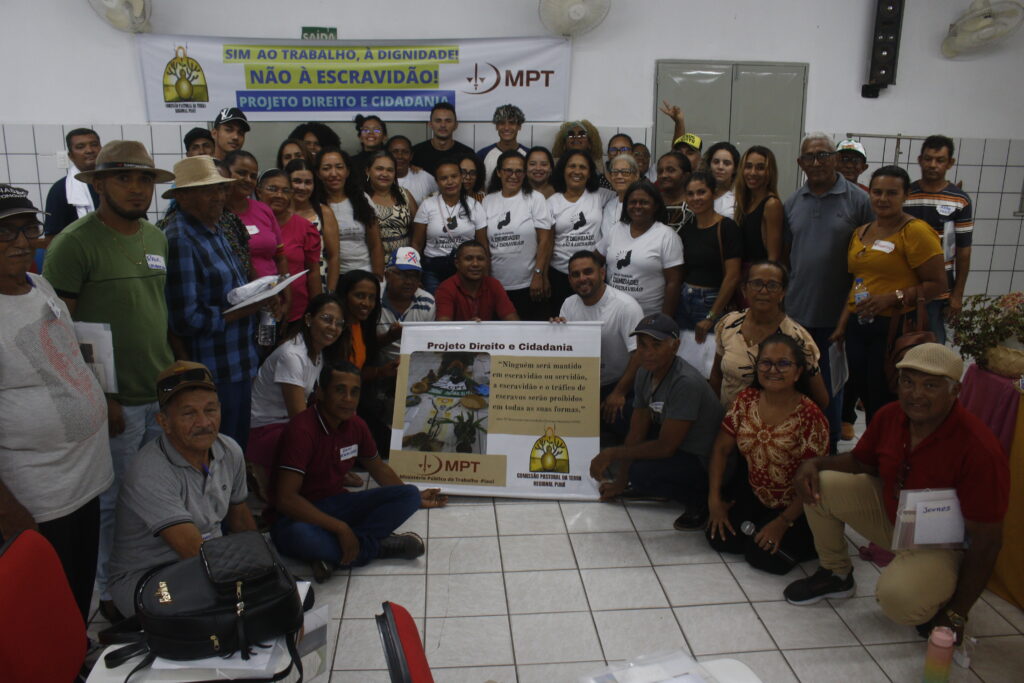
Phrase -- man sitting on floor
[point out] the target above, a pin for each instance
(181, 487)
(675, 420)
(317, 519)
(926, 440)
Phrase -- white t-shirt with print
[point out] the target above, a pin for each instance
(288, 364)
(353, 252)
(636, 265)
(577, 225)
(619, 315)
(512, 225)
(443, 233)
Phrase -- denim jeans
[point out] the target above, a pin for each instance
(681, 477)
(235, 410)
(937, 318)
(694, 305)
(373, 516)
(834, 410)
(140, 428)
(436, 269)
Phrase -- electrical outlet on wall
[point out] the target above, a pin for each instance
(62, 159)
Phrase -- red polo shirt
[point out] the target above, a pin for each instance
(323, 455)
(489, 303)
(961, 454)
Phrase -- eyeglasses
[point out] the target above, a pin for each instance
(766, 365)
(375, 131)
(619, 150)
(274, 189)
(513, 171)
(404, 274)
(468, 171)
(31, 231)
(820, 157)
(330, 320)
(167, 384)
(770, 285)
(578, 134)
(622, 171)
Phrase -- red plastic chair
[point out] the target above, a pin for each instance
(403, 649)
(44, 635)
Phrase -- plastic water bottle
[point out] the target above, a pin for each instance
(939, 655)
(749, 528)
(267, 329)
(861, 293)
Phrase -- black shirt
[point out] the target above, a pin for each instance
(427, 157)
(61, 213)
(703, 261)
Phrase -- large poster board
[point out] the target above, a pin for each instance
(499, 409)
(190, 78)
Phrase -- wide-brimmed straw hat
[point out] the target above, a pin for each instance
(195, 172)
(118, 156)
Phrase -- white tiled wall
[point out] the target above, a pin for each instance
(992, 173)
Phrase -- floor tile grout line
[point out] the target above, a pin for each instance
(586, 595)
(508, 606)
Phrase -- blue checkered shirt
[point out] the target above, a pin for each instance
(201, 270)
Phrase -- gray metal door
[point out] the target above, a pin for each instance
(746, 103)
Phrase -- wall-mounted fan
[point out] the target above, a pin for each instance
(131, 16)
(572, 17)
(982, 24)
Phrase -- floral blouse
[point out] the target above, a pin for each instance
(774, 452)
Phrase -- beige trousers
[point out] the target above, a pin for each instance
(916, 584)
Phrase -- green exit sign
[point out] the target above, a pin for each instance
(319, 33)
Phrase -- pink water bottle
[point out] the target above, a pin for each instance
(940, 655)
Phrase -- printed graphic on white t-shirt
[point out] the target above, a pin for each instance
(577, 226)
(512, 224)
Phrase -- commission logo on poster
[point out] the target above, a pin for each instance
(185, 77)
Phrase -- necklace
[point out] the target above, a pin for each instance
(453, 221)
(142, 243)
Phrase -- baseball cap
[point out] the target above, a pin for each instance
(228, 114)
(196, 134)
(405, 258)
(15, 201)
(851, 145)
(659, 326)
(182, 375)
(689, 139)
(933, 359)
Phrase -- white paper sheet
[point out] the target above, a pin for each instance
(840, 370)
(700, 356)
(96, 343)
(941, 528)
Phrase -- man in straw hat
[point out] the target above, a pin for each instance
(201, 270)
(110, 266)
(926, 440)
(54, 449)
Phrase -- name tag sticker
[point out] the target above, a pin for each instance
(156, 262)
(349, 452)
(883, 246)
(54, 308)
(945, 209)
(252, 229)
(657, 407)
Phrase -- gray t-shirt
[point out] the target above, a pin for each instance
(818, 230)
(161, 489)
(683, 394)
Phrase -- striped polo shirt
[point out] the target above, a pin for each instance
(948, 211)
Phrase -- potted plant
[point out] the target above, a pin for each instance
(465, 428)
(990, 329)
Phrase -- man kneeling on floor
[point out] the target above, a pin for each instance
(926, 440)
(675, 420)
(317, 519)
(181, 487)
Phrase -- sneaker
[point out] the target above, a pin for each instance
(694, 517)
(322, 570)
(407, 546)
(823, 584)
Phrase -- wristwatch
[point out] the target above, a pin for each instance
(710, 316)
(957, 620)
(538, 271)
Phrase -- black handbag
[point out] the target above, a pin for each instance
(233, 596)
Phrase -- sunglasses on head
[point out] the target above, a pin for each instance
(168, 384)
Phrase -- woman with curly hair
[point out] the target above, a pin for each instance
(578, 136)
(315, 136)
(373, 135)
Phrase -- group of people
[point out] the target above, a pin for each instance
(286, 394)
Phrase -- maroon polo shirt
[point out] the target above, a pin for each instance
(961, 454)
(323, 455)
(455, 303)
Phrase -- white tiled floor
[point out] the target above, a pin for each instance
(544, 591)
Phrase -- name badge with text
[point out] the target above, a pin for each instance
(252, 229)
(883, 245)
(348, 452)
(156, 262)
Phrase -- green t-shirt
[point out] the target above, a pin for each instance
(119, 280)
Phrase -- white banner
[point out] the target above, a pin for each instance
(190, 78)
(499, 409)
